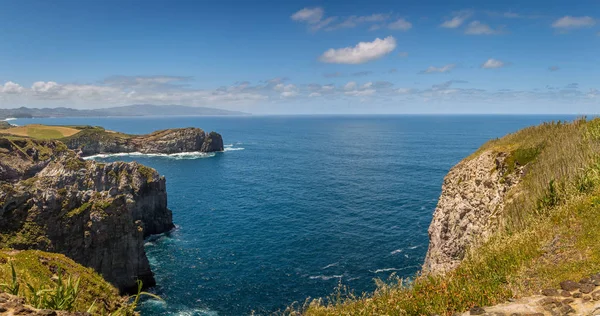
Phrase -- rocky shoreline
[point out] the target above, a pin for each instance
(98, 214)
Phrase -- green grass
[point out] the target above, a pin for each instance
(549, 233)
(41, 270)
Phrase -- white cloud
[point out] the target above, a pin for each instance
(404, 90)
(353, 21)
(350, 85)
(367, 85)
(432, 69)
(573, 22)
(309, 15)
(457, 20)
(361, 53)
(314, 94)
(492, 63)
(11, 88)
(400, 24)
(478, 28)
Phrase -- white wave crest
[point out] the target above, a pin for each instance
(394, 269)
(414, 247)
(232, 148)
(325, 277)
(329, 266)
(176, 156)
(10, 119)
(397, 251)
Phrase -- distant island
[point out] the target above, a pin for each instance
(128, 110)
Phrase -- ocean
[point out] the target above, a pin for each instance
(297, 205)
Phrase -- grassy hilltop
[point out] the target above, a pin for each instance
(550, 232)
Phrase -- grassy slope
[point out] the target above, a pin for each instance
(550, 233)
(38, 268)
(38, 131)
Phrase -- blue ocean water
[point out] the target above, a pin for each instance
(297, 204)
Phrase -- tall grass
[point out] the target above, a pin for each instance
(549, 232)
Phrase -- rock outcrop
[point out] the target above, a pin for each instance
(96, 140)
(573, 298)
(473, 195)
(95, 213)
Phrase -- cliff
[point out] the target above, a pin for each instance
(95, 213)
(473, 197)
(515, 232)
(96, 140)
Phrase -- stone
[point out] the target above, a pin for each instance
(568, 301)
(569, 285)
(596, 295)
(587, 288)
(477, 311)
(167, 141)
(88, 210)
(550, 292)
(585, 281)
(464, 216)
(586, 298)
(577, 295)
(565, 293)
(566, 309)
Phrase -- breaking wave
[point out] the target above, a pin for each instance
(176, 156)
(325, 277)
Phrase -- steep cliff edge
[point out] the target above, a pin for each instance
(96, 140)
(516, 219)
(472, 199)
(95, 213)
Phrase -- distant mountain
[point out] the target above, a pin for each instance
(129, 110)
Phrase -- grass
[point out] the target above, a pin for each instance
(549, 233)
(38, 131)
(51, 280)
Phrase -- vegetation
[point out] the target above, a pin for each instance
(53, 281)
(549, 233)
(38, 131)
(57, 294)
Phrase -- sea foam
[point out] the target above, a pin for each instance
(176, 156)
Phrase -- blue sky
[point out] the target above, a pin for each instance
(302, 57)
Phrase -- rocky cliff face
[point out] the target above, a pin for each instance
(473, 196)
(95, 213)
(93, 141)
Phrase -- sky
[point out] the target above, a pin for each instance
(304, 57)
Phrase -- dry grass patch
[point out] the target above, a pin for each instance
(39, 131)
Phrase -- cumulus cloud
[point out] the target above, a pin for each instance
(361, 53)
(492, 63)
(457, 20)
(478, 28)
(573, 22)
(443, 69)
(11, 88)
(400, 24)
